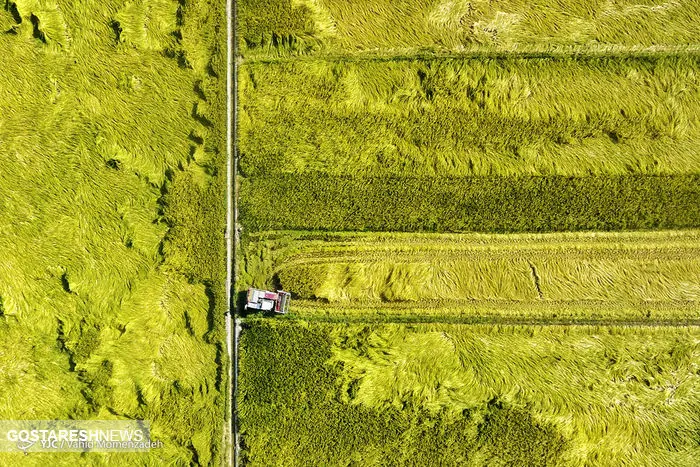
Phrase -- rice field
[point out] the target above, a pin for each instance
(468, 395)
(469, 204)
(478, 144)
(486, 214)
(573, 116)
(635, 276)
(275, 28)
(112, 258)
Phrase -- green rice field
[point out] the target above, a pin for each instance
(275, 28)
(470, 204)
(571, 116)
(112, 260)
(486, 214)
(468, 395)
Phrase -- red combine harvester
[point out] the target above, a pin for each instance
(265, 300)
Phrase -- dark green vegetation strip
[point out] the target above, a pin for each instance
(483, 204)
(329, 394)
(487, 320)
(611, 53)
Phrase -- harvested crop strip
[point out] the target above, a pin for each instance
(638, 276)
(468, 395)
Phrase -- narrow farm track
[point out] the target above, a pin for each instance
(229, 445)
(236, 440)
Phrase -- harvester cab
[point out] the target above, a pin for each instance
(264, 300)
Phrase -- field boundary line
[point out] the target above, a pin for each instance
(692, 52)
(477, 320)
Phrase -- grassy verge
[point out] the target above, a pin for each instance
(475, 117)
(284, 27)
(468, 395)
(111, 283)
(482, 204)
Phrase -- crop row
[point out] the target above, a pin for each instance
(283, 27)
(482, 204)
(634, 276)
(569, 116)
(503, 312)
(468, 395)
